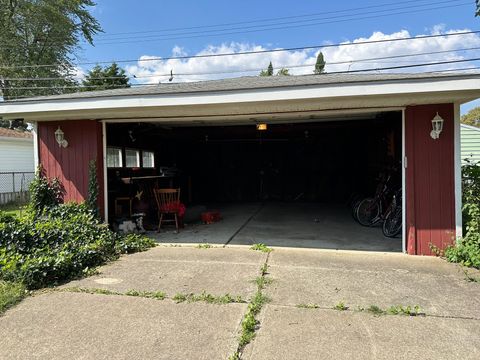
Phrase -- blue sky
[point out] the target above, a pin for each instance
(131, 17)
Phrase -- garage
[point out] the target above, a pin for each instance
(281, 159)
(283, 182)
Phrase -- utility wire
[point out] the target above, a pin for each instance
(352, 61)
(263, 20)
(330, 73)
(203, 56)
(261, 26)
(283, 27)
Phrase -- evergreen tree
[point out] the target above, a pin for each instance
(109, 77)
(268, 71)
(320, 64)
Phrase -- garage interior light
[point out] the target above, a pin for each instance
(261, 127)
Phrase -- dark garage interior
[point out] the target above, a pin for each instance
(287, 185)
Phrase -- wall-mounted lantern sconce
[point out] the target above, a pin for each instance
(437, 127)
(60, 137)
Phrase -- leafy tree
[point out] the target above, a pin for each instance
(109, 77)
(477, 4)
(283, 72)
(472, 117)
(42, 32)
(320, 64)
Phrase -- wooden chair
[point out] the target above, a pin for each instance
(168, 201)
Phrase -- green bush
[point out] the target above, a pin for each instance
(44, 193)
(131, 243)
(58, 244)
(467, 249)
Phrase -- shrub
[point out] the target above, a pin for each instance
(131, 243)
(467, 249)
(58, 244)
(44, 193)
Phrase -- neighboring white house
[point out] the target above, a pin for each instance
(470, 143)
(16, 163)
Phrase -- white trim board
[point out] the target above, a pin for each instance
(457, 163)
(461, 90)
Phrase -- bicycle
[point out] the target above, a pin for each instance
(392, 225)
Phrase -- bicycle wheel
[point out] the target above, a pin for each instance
(368, 212)
(392, 226)
(354, 209)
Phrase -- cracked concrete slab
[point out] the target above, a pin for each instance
(84, 326)
(327, 278)
(291, 333)
(181, 270)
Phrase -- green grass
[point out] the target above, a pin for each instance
(261, 247)
(10, 295)
(12, 209)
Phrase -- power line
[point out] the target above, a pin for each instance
(202, 56)
(352, 61)
(263, 25)
(243, 31)
(330, 73)
(264, 19)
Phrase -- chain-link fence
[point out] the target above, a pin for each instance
(14, 186)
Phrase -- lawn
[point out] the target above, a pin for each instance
(10, 294)
(12, 209)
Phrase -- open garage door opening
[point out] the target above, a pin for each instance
(298, 183)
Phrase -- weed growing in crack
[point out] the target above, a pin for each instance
(264, 269)
(340, 306)
(471, 278)
(178, 298)
(395, 310)
(261, 247)
(91, 291)
(404, 310)
(250, 322)
(157, 295)
(375, 310)
(204, 246)
(208, 298)
(262, 282)
(307, 306)
(234, 356)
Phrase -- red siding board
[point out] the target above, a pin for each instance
(430, 179)
(70, 164)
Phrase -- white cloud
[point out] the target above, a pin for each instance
(218, 67)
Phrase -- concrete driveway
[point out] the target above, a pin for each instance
(100, 317)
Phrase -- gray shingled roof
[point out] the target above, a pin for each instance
(252, 82)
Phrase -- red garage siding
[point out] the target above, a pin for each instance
(430, 189)
(70, 164)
